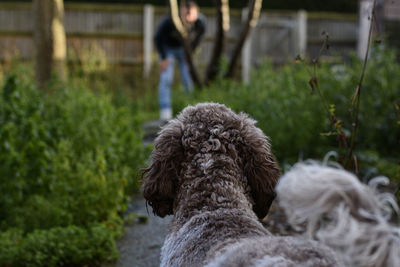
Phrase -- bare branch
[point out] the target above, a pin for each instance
(176, 19)
(186, 45)
(358, 91)
(222, 7)
(253, 16)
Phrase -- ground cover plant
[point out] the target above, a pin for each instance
(70, 160)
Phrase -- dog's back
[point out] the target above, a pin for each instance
(214, 171)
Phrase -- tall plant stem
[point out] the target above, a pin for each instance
(358, 92)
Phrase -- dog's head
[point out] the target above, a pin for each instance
(210, 126)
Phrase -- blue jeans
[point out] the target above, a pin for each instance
(167, 76)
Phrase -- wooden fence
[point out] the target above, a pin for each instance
(125, 32)
(392, 23)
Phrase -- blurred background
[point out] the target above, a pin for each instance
(119, 29)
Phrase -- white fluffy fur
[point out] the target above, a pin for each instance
(342, 213)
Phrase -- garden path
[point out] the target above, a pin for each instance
(141, 244)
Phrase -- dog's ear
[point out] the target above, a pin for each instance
(260, 166)
(160, 178)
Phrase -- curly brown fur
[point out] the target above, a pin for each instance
(214, 171)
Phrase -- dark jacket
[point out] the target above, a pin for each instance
(167, 35)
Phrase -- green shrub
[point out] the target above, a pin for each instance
(276, 99)
(381, 89)
(295, 118)
(60, 246)
(10, 242)
(69, 160)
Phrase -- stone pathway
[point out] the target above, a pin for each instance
(141, 244)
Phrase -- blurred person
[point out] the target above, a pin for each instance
(170, 48)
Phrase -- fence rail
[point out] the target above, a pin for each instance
(125, 32)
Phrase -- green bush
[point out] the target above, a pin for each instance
(69, 160)
(276, 99)
(287, 110)
(60, 246)
(379, 130)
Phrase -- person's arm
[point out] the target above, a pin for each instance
(160, 38)
(200, 28)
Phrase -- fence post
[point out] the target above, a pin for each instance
(301, 33)
(148, 28)
(246, 52)
(364, 22)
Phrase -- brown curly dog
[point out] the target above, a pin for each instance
(213, 170)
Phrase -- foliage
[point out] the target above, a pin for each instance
(378, 115)
(275, 99)
(69, 161)
(91, 58)
(293, 116)
(60, 246)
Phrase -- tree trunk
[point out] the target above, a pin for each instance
(59, 39)
(253, 15)
(222, 7)
(50, 40)
(186, 45)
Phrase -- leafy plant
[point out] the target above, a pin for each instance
(295, 118)
(60, 246)
(69, 164)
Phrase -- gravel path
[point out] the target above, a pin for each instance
(141, 244)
